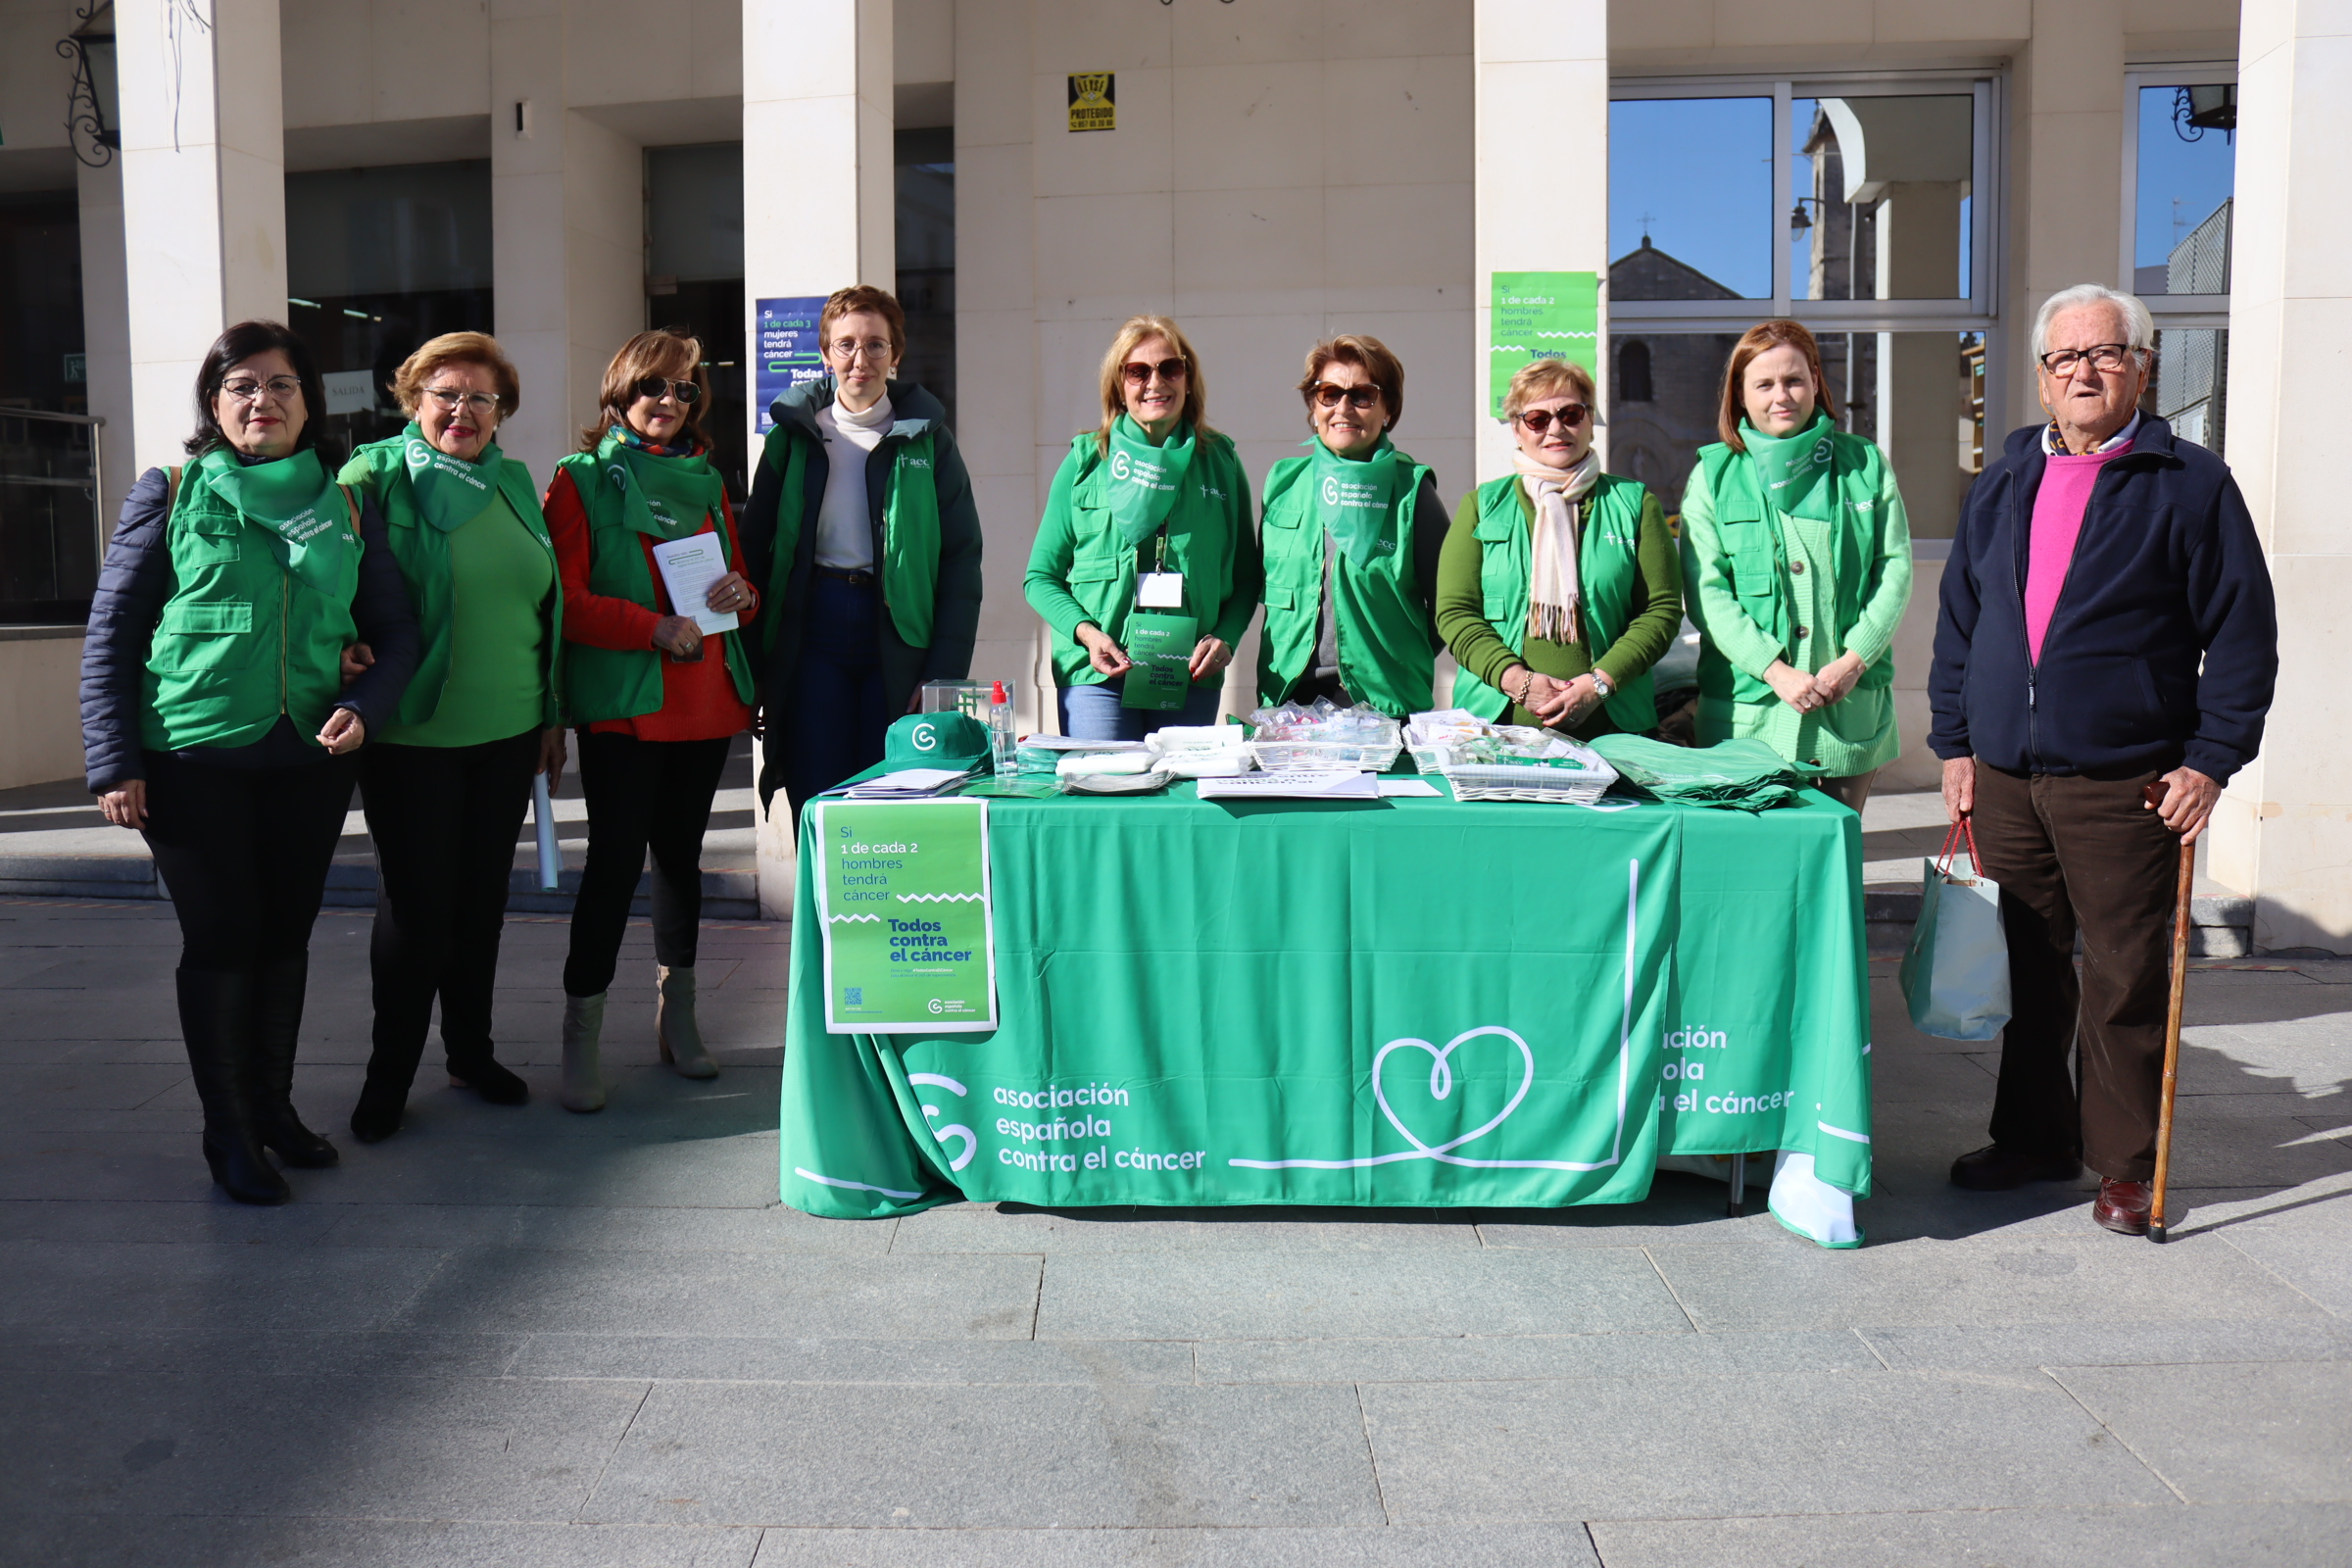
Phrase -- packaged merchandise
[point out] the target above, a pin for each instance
(1740, 774)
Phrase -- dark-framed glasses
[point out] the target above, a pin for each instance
(846, 349)
(251, 388)
(1328, 394)
(2104, 358)
(481, 405)
(1569, 415)
(1139, 372)
(653, 388)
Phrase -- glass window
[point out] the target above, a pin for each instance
(1690, 198)
(1885, 197)
(2181, 188)
(926, 259)
(694, 280)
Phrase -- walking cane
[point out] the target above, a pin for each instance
(2172, 1028)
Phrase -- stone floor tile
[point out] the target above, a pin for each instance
(1951, 1347)
(1563, 1355)
(1681, 1208)
(28, 1091)
(300, 1352)
(1537, 1546)
(1014, 1228)
(1266, 1295)
(1818, 1443)
(742, 1358)
(200, 1218)
(2239, 1433)
(761, 1228)
(96, 1541)
(2154, 1537)
(98, 1286)
(1119, 1454)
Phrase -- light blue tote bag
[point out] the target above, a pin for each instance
(1955, 977)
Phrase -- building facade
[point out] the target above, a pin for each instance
(1910, 177)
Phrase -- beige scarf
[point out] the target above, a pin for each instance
(1554, 596)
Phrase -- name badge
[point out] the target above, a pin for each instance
(1160, 589)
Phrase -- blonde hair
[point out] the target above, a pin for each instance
(1538, 379)
(665, 351)
(457, 348)
(1133, 331)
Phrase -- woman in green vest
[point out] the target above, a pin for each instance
(446, 781)
(1799, 560)
(1558, 587)
(217, 721)
(1352, 534)
(1146, 542)
(863, 527)
(659, 690)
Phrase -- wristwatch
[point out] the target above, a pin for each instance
(1601, 684)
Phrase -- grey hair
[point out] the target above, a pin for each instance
(2140, 326)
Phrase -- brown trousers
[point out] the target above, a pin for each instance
(2076, 853)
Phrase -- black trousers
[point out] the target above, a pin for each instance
(445, 820)
(244, 853)
(642, 794)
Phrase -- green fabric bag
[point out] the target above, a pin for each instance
(1741, 776)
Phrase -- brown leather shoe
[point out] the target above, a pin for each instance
(1997, 1168)
(2123, 1207)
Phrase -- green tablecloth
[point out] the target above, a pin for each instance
(1411, 1001)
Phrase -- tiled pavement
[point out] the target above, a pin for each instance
(527, 1338)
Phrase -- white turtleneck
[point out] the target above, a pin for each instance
(845, 530)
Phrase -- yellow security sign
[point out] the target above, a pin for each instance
(1093, 100)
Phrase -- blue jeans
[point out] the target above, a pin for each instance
(1094, 713)
(833, 711)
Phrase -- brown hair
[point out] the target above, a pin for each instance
(1132, 331)
(670, 350)
(1538, 379)
(864, 297)
(457, 348)
(1761, 338)
(1368, 355)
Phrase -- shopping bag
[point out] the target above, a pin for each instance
(1955, 977)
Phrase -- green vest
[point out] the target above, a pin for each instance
(909, 568)
(422, 552)
(601, 683)
(242, 639)
(1378, 608)
(1757, 557)
(1606, 564)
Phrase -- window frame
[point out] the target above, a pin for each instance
(2181, 312)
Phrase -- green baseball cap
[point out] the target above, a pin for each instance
(930, 740)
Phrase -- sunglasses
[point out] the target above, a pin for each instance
(653, 388)
(1570, 416)
(1139, 373)
(1360, 398)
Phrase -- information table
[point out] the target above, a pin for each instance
(1407, 1002)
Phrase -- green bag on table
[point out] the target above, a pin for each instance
(1741, 776)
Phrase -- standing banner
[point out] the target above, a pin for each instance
(903, 902)
(785, 349)
(1541, 315)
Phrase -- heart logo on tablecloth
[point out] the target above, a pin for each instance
(1440, 1084)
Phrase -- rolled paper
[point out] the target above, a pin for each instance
(543, 813)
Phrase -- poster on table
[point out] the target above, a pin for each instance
(1541, 315)
(786, 351)
(904, 900)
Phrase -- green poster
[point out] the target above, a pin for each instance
(1541, 315)
(902, 899)
(1161, 647)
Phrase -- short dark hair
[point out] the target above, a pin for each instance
(233, 348)
(1367, 354)
(874, 301)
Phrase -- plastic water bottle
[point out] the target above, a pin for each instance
(1000, 732)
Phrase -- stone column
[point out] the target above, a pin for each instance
(204, 201)
(1541, 73)
(106, 332)
(819, 206)
(2283, 832)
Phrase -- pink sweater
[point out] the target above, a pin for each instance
(2058, 507)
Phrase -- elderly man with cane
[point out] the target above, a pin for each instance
(2104, 659)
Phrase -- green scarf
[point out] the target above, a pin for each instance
(294, 502)
(1792, 469)
(1144, 478)
(665, 497)
(450, 492)
(1351, 496)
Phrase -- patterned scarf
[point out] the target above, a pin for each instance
(689, 448)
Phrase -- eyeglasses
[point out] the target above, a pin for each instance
(246, 389)
(1360, 398)
(1140, 374)
(653, 388)
(2105, 358)
(846, 349)
(450, 399)
(1570, 416)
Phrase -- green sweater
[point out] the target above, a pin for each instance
(1648, 633)
(501, 580)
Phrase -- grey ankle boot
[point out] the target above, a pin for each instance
(675, 1026)
(583, 1026)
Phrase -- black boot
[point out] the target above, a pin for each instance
(278, 988)
(487, 1077)
(216, 1018)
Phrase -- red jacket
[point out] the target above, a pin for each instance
(698, 699)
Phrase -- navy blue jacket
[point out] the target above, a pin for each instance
(2163, 647)
(132, 586)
